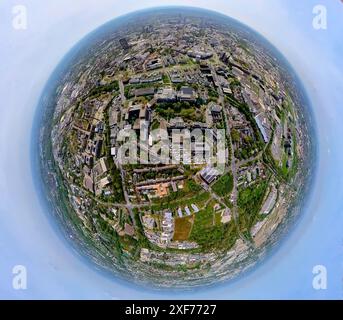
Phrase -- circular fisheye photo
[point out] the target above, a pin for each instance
(175, 147)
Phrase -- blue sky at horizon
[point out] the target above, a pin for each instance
(28, 235)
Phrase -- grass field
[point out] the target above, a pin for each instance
(224, 185)
(183, 200)
(249, 205)
(210, 233)
(183, 227)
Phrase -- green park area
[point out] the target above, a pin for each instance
(224, 185)
(210, 233)
(182, 109)
(249, 203)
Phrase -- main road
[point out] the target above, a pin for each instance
(234, 193)
(122, 91)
